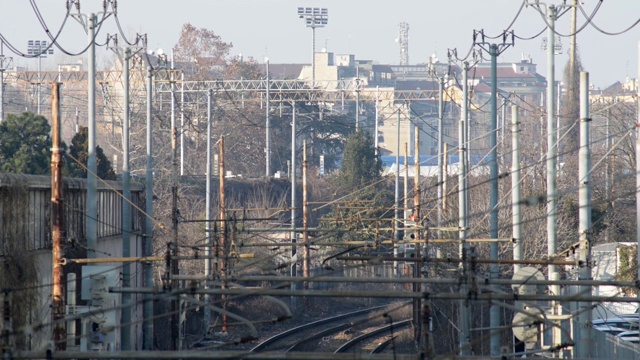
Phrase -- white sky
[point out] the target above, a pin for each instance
(365, 28)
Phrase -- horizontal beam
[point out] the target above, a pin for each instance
(457, 261)
(446, 281)
(190, 354)
(378, 294)
(66, 261)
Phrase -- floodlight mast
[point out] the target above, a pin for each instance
(314, 17)
(39, 49)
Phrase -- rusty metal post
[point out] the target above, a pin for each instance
(305, 216)
(57, 220)
(223, 232)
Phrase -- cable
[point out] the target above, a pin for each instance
(582, 27)
(524, 2)
(590, 21)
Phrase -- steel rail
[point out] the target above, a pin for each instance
(296, 329)
(349, 344)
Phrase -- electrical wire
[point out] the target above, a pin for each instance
(590, 22)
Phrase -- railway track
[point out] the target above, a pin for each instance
(326, 334)
(387, 331)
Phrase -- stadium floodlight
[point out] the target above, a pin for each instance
(39, 49)
(313, 17)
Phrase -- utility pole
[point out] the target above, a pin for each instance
(357, 103)
(375, 126)
(148, 266)
(125, 318)
(463, 218)
(222, 245)
(406, 184)
(5, 63)
(516, 215)
(208, 228)
(552, 205)
(181, 121)
(503, 129)
(58, 233)
(305, 215)
(92, 165)
(638, 170)
(445, 177)
(175, 311)
(494, 51)
(396, 215)
(440, 154)
(294, 303)
(583, 345)
(417, 270)
(267, 149)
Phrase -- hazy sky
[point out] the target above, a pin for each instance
(365, 28)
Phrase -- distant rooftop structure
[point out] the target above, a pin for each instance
(285, 71)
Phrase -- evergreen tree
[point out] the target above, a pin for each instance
(79, 155)
(359, 164)
(25, 144)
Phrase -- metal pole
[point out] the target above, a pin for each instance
(439, 152)
(467, 146)
(445, 175)
(125, 318)
(148, 228)
(57, 219)
(406, 184)
(1, 89)
(223, 233)
(208, 215)
(420, 328)
(313, 56)
(396, 215)
(463, 310)
(357, 104)
(583, 328)
(268, 126)
(2, 68)
(92, 167)
(494, 310)
(607, 171)
(39, 79)
(305, 214)
(71, 302)
(175, 313)
(503, 127)
(375, 126)
(551, 153)
(516, 215)
(294, 235)
(182, 124)
(638, 172)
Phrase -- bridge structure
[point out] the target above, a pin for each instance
(26, 242)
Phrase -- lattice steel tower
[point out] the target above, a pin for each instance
(403, 40)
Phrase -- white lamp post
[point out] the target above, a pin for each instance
(38, 48)
(314, 17)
